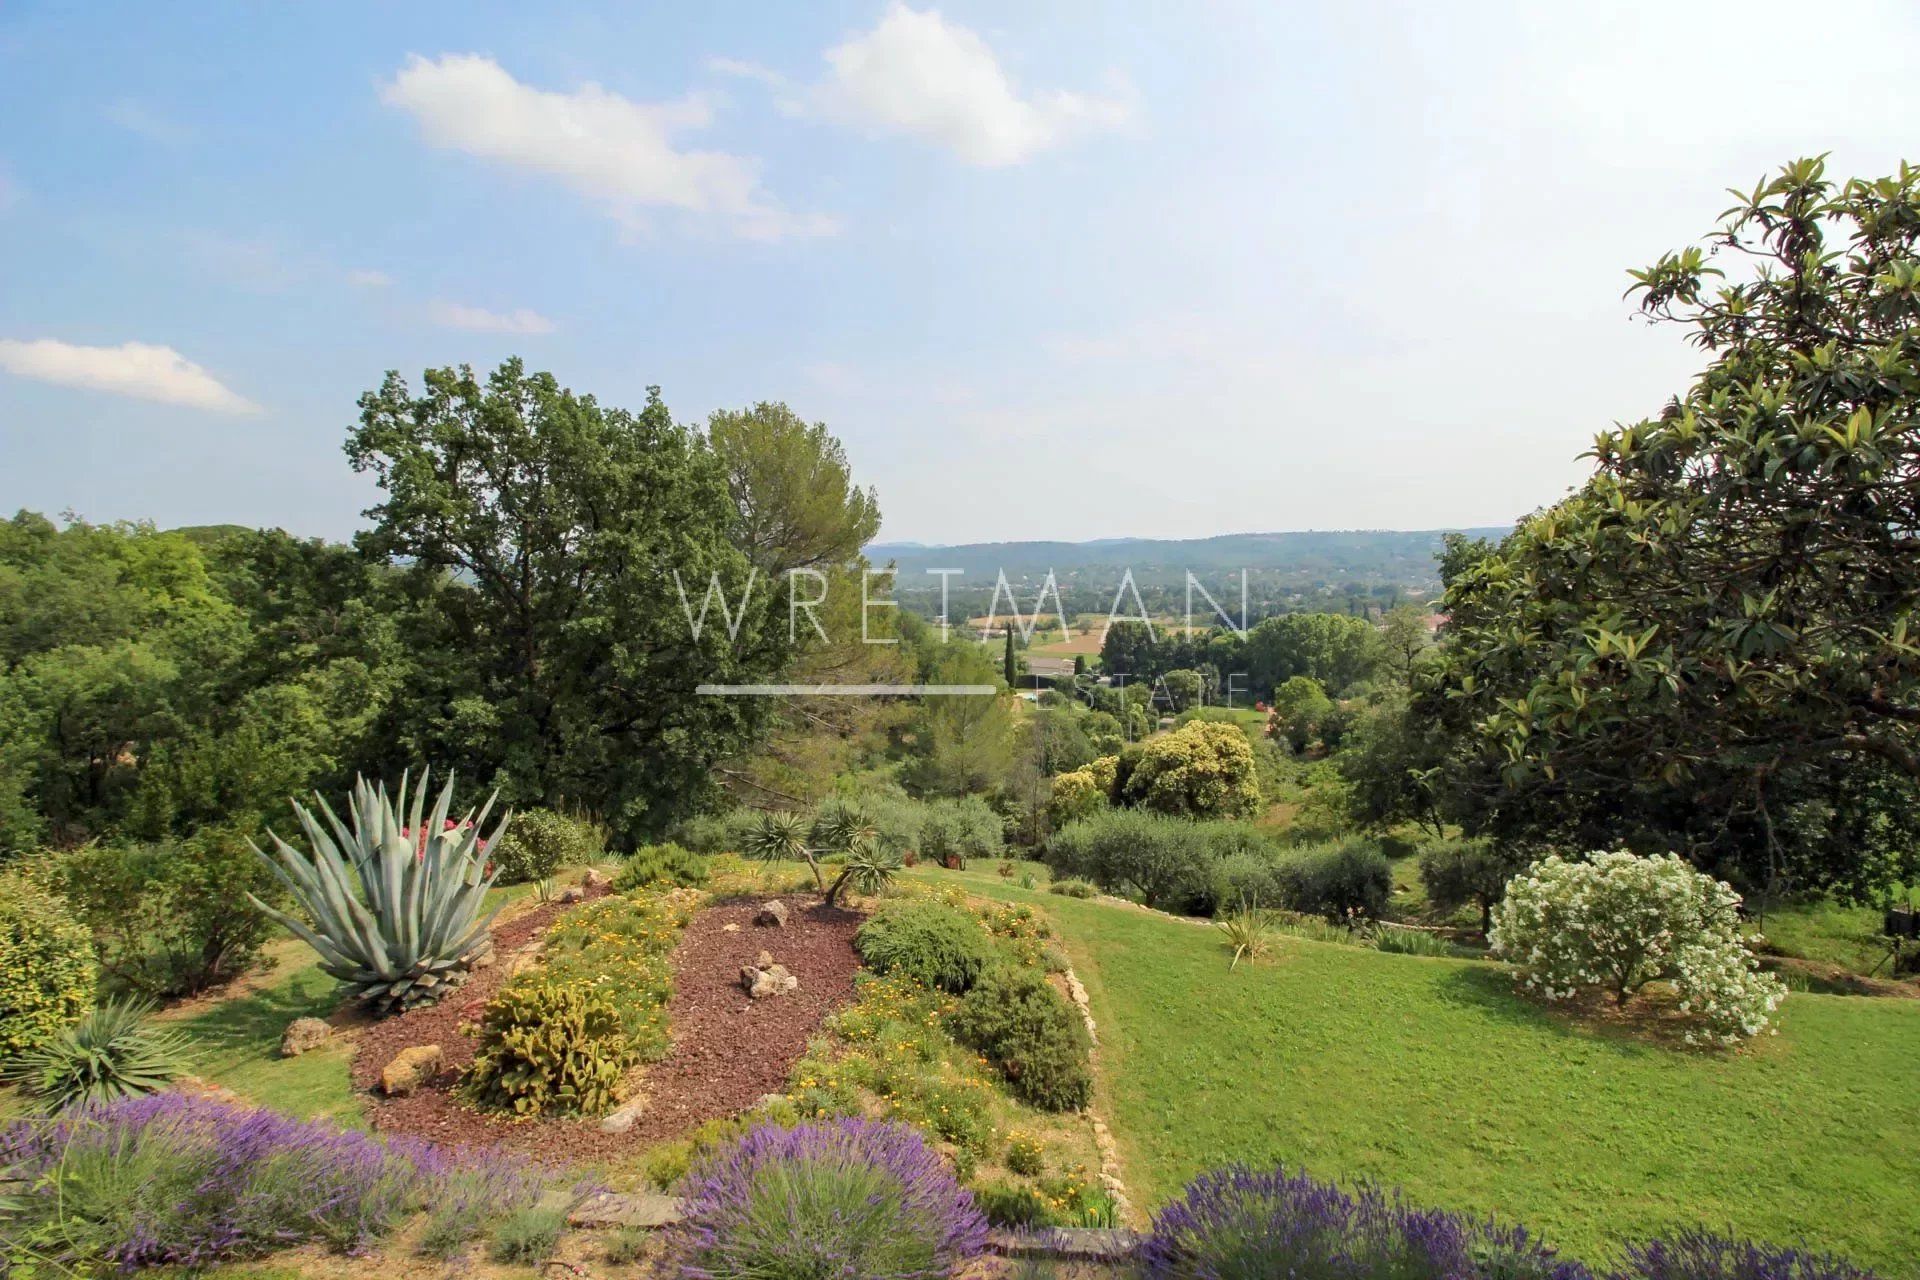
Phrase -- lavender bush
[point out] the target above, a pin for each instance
(1243, 1224)
(850, 1199)
(169, 1179)
(1695, 1255)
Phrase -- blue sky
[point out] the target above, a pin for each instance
(1068, 270)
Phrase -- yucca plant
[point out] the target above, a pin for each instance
(868, 868)
(1249, 931)
(394, 905)
(111, 1053)
(784, 835)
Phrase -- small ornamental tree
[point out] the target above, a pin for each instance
(1618, 922)
(1200, 770)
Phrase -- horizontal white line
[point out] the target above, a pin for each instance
(844, 690)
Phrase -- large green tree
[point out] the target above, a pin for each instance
(580, 536)
(1710, 647)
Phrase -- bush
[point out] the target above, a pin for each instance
(1026, 1155)
(1238, 1224)
(1338, 880)
(47, 972)
(528, 1235)
(469, 1197)
(1695, 1255)
(169, 1179)
(1617, 922)
(110, 1054)
(1075, 795)
(1072, 888)
(1014, 1204)
(547, 1048)
(855, 1199)
(935, 944)
(958, 831)
(539, 842)
(1201, 770)
(170, 919)
(1031, 1034)
(1166, 861)
(622, 947)
(714, 833)
(661, 864)
(1459, 873)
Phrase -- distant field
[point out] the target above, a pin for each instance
(1433, 1075)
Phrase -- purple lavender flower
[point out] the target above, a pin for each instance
(1244, 1224)
(1696, 1255)
(849, 1199)
(171, 1179)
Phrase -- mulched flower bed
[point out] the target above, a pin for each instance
(727, 1050)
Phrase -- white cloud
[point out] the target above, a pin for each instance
(140, 119)
(367, 278)
(454, 315)
(740, 69)
(616, 152)
(916, 73)
(140, 370)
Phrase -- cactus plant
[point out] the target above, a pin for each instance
(392, 907)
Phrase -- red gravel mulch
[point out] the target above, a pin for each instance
(727, 1050)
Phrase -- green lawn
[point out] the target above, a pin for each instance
(1825, 930)
(1432, 1075)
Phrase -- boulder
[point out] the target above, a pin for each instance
(571, 894)
(764, 960)
(596, 880)
(411, 1068)
(303, 1034)
(623, 1119)
(773, 914)
(774, 980)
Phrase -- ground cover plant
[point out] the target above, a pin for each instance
(1498, 1104)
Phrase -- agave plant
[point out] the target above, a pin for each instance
(394, 905)
(784, 835)
(868, 868)
(1249, 931)
(111, 1053)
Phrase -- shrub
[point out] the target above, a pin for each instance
(470, 1196)
(169, 1179)
(714, 833)
(1242, 1224)
(1459, 873)
(1248, 930)
(547, 1047)
(1416, 942)
(661, 864)
(1166, 861)
(528, 1235)
(856, 1199)
(1031, 1034)
(1014, 1204)
(1695, 1255)
(1026, 1155)
(1072, 888)
(1201, 770)
(1617, 922)
(539, 842)
(47, 973)
(956, 831)
(169, 919)
(626, 1246)
(110, 1054)
(1074, 796)
(621, 947)
(935, 944)
(1336, 880)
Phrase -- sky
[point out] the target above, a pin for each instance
(1061, 270)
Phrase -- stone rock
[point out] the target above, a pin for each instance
(773, 914)
(645, 1209)
(730, 927)
(411, 1068)
(774, 980)
(764, 960)
(571, 894)
(623, 1119)
(596, 880)
(303, 1034)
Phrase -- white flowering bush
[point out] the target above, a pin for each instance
(1617, 922)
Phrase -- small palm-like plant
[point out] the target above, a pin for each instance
(394, 905)
(781, 836)
(869, 868)
(1249, 931)
(111, 1053)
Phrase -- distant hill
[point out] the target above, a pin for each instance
(1371, 555)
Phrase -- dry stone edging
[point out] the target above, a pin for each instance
(1110, 1175)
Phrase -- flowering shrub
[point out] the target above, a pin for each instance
(939, 945)
(539, 842)
(1618, 922)
(173, 1180)
(853, 1199)
(1242, 1224)
(47, 975)
(1695, 1255)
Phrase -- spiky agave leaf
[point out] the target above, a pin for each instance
(392, 903)
(111, 1053)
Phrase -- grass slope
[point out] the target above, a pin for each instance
(1432, 1075)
